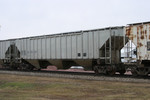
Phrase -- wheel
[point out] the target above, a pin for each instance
(96, 70)
(26, 67)
(143, 71)
(111, 72)
(14, 68)
(134, 72)
(30, 68)
(122, 72)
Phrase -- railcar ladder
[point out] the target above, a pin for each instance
(108, 47)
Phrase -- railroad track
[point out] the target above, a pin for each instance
(79, 75)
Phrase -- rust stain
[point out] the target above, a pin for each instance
(128, 31)
(137, 33)
(146, 33)
(141, 27)
(139, 44)
(142, 31)
(142, 37)
(137, 30)
(134, 36)
(137, 37)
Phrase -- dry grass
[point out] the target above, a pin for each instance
(13, 87)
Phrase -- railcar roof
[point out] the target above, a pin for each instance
(139, 23)
(65, 33)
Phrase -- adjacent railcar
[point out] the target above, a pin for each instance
(139, 34)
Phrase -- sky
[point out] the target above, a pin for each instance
(25, 18)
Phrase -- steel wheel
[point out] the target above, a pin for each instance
(122, 72)
(134, 73)
(96, 70)
(111, 72)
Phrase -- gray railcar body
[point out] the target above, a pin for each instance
(79, 48)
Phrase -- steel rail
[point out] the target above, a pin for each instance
(79, 75)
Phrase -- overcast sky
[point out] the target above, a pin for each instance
(24, 18)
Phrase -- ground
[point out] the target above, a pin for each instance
(14, 87)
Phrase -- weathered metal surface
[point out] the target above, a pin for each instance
(79, 45)
(139, 34)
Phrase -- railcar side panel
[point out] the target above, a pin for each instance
(63, 47)
(96, 45)
(74, 46)
(53, 48)
(43, 48)
(32, 50)
(48, 48)
(58, 48)
(4, 48)
(79, 47)
(91, 44)
(69, 47)
(35, 48)
(39, 48)
(85, 45)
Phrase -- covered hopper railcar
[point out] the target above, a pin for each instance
(98, 50)
(139, 34)
(64, 50)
